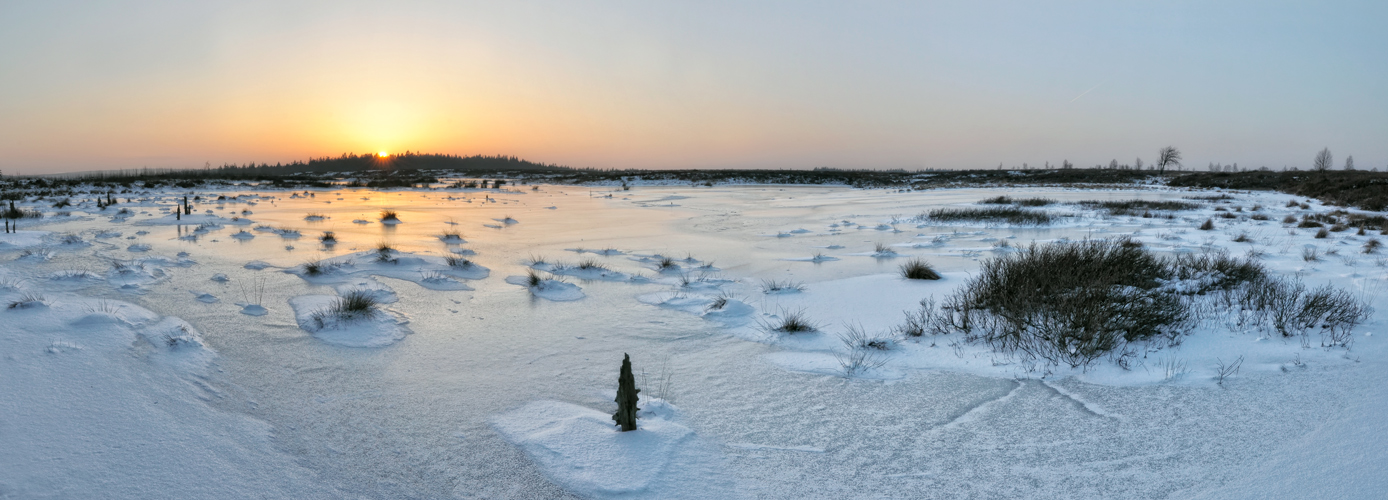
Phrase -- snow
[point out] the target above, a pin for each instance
(549, 289)
(582, 451)
(378, 329)
(107, 399)
(197, 368)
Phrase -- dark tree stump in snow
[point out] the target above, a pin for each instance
(626, 397)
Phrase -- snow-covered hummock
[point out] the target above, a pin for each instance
(581, 450)
(379, 328)
(549, 289)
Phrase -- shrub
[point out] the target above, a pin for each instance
(385, 253)
(533, 279)
(1208, 225)
(1068, 302)
(315, 268)
(355, 305)
(1292, 310)
(667, 263)
(774, 286)
(1132, 207)
(1025, 202)
(1228, 215)
(918, 269)
(591, 264)
(1258, 217)
(791, 322)
(1308, 223)
(1213, 197)
(1337, 228)
(1290, 219)
(1034, 202)
(389, 215)
(1322, 234)
(1310, 254)
(855, 337)
(1241, 238)
(1204, 272)
(328, 238)
(1372, 246)
(1009, 215)
(456, 261)
(718, 303)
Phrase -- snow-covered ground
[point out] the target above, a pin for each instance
(154, 357)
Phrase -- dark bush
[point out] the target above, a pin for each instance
(1009, 215)
(1067, 302)
(918, 269)
(1025, 202)
(1133, 207)
(791, 322)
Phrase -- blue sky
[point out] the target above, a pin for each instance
(89, 85)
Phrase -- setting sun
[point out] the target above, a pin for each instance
(382, 154)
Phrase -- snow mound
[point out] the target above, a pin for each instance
(581, 450)
(378, 329)
(555, 290)
(135, 275)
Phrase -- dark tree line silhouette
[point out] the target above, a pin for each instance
(352, 162)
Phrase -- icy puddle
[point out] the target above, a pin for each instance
(149, 356)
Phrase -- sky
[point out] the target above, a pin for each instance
(646, 84)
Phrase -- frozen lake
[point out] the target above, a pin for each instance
(468, 370)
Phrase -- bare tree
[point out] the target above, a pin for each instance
(1167, 157)
(1138, 164)
(1349, 162)
(1324, 160)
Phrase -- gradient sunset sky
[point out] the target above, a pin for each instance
(644, 84)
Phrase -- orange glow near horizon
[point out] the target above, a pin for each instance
(382, 154)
